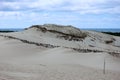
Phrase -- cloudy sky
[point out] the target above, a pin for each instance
(79, 13)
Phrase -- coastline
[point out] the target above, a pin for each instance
(106, 31)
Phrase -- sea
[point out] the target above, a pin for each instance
(103, 29)
(92, 29)
(11, 29)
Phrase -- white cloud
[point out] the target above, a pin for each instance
(9, 14)
(28, 12)
(83, 6)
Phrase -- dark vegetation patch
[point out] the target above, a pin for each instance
(6, 31)
(86, 50)
(113, 33)
(110, 41)
(92, 39)
(91, 46)
(53, 46)
(70, 38)
(30, 42)
(114, 54)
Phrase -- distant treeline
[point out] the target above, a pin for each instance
(113, 33)
(6, 31)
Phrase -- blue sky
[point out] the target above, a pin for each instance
(79, 13)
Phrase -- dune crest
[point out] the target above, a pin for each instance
(69, 37)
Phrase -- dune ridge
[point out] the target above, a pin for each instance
(69, 34)
(58, 52)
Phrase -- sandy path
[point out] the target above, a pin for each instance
(54, 72)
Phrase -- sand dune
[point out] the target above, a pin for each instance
(43, 55)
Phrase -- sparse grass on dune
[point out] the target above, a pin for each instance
(66, 30)
(68, 34)
(53, 46)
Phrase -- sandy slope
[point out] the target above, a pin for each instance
(23, 61)
(95, 39)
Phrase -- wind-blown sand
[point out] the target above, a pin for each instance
(23, 61)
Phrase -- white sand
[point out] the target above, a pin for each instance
(22, 61)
